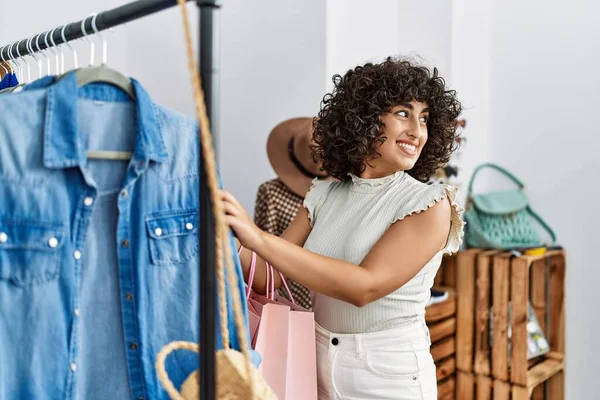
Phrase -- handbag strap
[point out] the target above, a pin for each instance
(542, 223)
(497, 168)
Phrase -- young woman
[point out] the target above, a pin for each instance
(369, 244)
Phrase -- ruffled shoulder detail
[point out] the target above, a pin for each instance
(316, 197)
(425, 196)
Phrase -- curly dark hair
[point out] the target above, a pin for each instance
(348, 128)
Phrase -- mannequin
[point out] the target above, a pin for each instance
(278, 200)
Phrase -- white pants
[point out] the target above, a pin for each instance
(393, 364)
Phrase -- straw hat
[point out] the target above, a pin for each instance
(288, 149)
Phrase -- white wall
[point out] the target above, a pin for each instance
(157, 57)
(543, 102)
(273, 64)
(470, 65)
(425, 29)
(359, 31)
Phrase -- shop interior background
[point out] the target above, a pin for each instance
(526, 71)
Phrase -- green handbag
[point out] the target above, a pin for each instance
(502, 220)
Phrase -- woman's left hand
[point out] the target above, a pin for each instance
(249, 235)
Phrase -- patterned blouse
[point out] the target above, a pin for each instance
(276, 207)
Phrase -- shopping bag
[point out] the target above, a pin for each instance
(254, 300)
(286, 342)
(257, 301)
(253, 313)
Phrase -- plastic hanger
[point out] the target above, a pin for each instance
(54, 50)
(6, 72)
(26, 63)
(103, 74)
(17, 62)
(20, 73)
(32, 52)
(24, 81)
(75, 60)
(48, 48)
(11, 64)
(42, 54)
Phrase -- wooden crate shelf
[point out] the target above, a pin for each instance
(481, 387)
(445, 368)
(442, 329)
(447, 388)
(441, 321)
(445, 309)
(541, 373)
(498, 281)
(443, 349)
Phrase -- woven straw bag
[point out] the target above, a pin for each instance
(236, 377)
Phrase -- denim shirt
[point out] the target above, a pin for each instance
(98, 260)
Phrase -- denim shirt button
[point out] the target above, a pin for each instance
(53, 242)
(3, 237)
(88, 201)
(73, 367)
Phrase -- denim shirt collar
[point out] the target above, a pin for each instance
(62, 147)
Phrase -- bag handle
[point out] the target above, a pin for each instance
(543, 224)
(287, 288)
(497, 168)
(250, 273)
(270, 278)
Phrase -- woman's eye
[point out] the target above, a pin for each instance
(424, 119)
(402, 113)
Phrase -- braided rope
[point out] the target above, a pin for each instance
(160, 365)
(225, 382)
(213, 184)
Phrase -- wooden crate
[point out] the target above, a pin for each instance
(441, 321)
(446, 275)
(447, 389)
(443, 310)
(492, 278)
(481, 387)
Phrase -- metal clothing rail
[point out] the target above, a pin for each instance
(209, 72)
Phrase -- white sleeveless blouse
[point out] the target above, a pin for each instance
(348, 218)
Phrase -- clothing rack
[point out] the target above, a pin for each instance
(209, 72)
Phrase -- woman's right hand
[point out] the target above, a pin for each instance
(248, 234)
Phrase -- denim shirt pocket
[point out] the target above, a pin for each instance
(30, 250)
(173, 236)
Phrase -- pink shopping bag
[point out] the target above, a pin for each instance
(253, 312)
(286, 342)
(255, 301)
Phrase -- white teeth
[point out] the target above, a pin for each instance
(409, 147)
